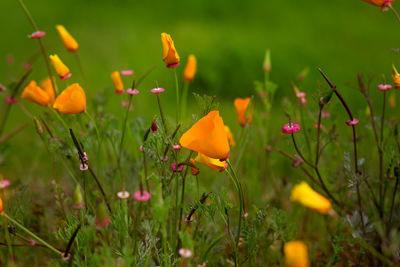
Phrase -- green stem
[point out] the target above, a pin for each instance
(42, 48)
(78, 60)
(177, 96)
(184, 98)
(162, 114)
(32, 234)
(94, 123)
(60, 119)
(236, 182)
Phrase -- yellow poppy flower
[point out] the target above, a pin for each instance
(229, 134)
(296, 254)
(70, 43)
(117, 81)
(241, 106)
(306, 196)
(61, 69)
(207, 136)
(190, 69)
(72, 100)
(48, 88)
(33, 93)
(170, 56)
(214, 164)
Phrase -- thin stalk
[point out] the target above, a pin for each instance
(14, 132)
(59, 118)
(32, 234)
(381, 192)
(100, 187)
(177, 96)
(162, 113)
(95, 125)
(235, 180)
(394, 11)
(184, 98)
(393, 197)
(7, 107)
(78, 60)
(42, 48)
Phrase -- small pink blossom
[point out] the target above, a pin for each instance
(325, 114)
(316, 126)
(84, 167)
(11, 100)
(185, 253)
(352, 122)
(175, 169)
(290, 128)
(132, 91)
(27, 66)
(157, 90)
(384, 87)
(176, 147)
(164, 159)
(126, 72)
(141, 196)
(123, 194)
(300, 95)
(37, 35)
(4, 183)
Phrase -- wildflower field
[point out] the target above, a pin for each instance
(199, 133)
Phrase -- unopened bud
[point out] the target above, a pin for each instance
(77, 198)
(38, 126)
(267, 61)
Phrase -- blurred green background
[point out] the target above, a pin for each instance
(229, 39)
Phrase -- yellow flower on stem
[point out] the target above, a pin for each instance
(380, 3)
(70, 43)
(170, 56)
(71, 101)
(306, 196)
(296, 254)
(396, 77)
(214, 164)
(117, 81)
(244, 115)
(190, 69)
(229, 134)
(47, 86)
(61, 69)
(33, 93)
(207, 136)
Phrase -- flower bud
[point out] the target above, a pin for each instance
(38, 126)
(77, 198)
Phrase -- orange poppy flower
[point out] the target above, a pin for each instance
(229, 134)
(190, 69)
(214, 164)
(48, 88)
(306, 196)
(296, 254)
(117, 81)
(207, 136)
(72, 100)
(1, 205)
(61, 69)
(33, 93)
(379, 2)
(170, 56)
(241, 106)
(70, 43)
